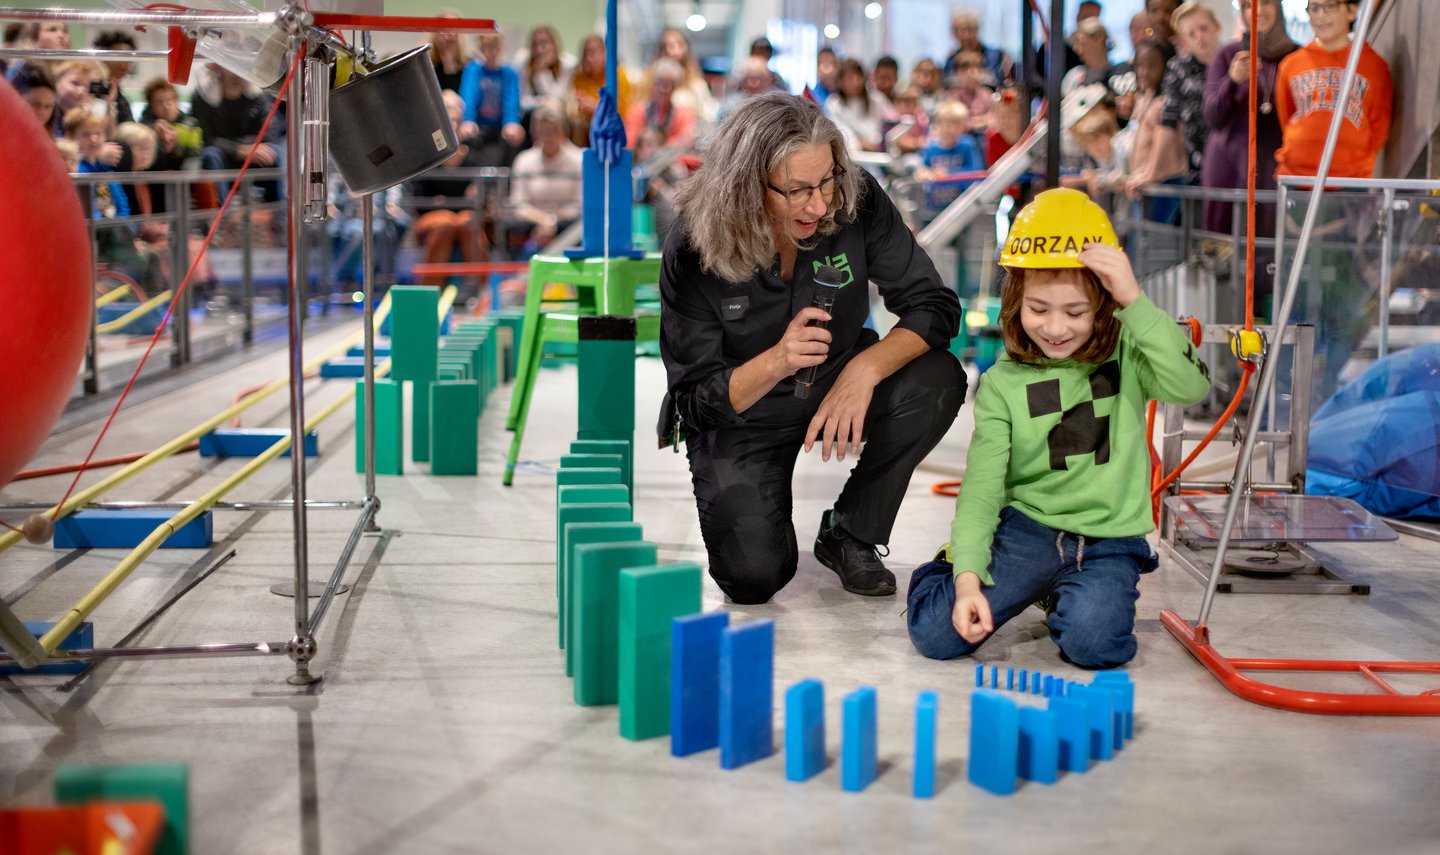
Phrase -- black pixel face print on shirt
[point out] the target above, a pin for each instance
(1080, 430)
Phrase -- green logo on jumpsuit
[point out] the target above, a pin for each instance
(839, 262)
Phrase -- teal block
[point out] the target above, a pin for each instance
(595, 613)
(454, 428)
(578, 534)
(168, 784)
(414, 331)
(509, 324)
(564, 477)
(622, 447)
(390, 431)
(592, 461)
(420, 421)
(582, 494)
(452, 372)
(650, 598)
(606, 398)
(568, 515)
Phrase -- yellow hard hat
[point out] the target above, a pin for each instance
(1049, 232)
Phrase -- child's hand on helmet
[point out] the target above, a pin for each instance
(1114, 271)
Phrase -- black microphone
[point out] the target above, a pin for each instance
(827, 285)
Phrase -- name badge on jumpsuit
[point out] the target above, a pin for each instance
(733, 308)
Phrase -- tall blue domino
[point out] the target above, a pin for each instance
(747, 693)
(695, 682)
(926, 711)
(804, 730)
(858, 759)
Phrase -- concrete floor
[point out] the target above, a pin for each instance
(444, 722)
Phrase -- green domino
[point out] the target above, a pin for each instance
(452, 372)
(454, 428)
(167, 784)
(607, 388)
(580, 494)
(577, 534)
(595, 616)
(509, 323)
(592, 461)
(608, 446)
(588, 475)
(390, 433)
(414, 331)
(650, 598)
(568, 515)
(420, 421)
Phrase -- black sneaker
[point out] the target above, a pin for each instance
(857, 564)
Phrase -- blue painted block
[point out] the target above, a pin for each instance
(1049, 689)
(1100, 717)
(926, 712)
(994, 742)
(251, 442)
(1024, 680)
(857, 740)
(1039, 755)
(804, 730)
(747, 703)
(81, 638)
(994, 676)
(1072, 732)
(1010, 679)
(1118, 683)
(1059, 687)
(1035, 683)
(695, 682)
(358, 350)
(343, 366)
(96, 529)
(594, 209)
(979, 676)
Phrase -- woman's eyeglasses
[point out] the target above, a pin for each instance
(799, 197)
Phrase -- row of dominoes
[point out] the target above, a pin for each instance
(633, 636)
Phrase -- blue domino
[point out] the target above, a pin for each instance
(106, 529)
(747, 702)
(1010, 679)
(359, 350)
(926, 712)
(343, 366)
(1024, 680)
(1118, 683)
(251, 442)
(994, 676)
(1100, 716)
(80, 638)
(1038, 757)
(1073, 733)
(1049, 689)
(804, 730)
(979, 676)
(1035, 683)
(695, 682)
(857, 744)
(994, 742)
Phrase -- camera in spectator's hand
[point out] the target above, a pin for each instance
(100, 88)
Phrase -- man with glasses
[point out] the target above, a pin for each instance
(777, 201)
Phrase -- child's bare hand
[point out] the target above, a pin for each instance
(1114, 271)
(971, 615)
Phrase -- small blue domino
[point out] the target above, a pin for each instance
(1024, 680)
(858, 760)
(994, 742)
(1010, 679)
(1049, 690)
(1035, 683)
(926, 710)
(994, 676)
(979, 676)
(804, 730)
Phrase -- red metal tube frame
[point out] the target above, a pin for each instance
(1196, 640)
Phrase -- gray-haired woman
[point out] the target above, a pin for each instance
(776, 199)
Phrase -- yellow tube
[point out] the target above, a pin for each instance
(111, 296)
(83, 497)
(125, 320)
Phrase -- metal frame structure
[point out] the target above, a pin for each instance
(1196, 637)
(307, 37)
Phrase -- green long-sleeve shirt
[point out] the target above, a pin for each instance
(1063, 442)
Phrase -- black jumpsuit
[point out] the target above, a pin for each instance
(742, 464)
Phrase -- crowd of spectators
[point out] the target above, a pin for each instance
(1175, 112)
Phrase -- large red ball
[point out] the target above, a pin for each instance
(45, 284)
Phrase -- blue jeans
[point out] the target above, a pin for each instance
(1093, 580)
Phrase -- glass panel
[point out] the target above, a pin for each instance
(1265, 519)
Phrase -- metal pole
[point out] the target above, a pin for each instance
(1282, 316)
(224, 20)
(1053, 77)
(367, 287)
(302, 646)
(247, 264)
(178, 651)
(1027, 60)
(181, 319)
(334, 587)
(1386, 226)
(92, 344)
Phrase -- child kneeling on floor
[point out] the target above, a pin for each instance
(1055, 502)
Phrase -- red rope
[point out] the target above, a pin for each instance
(180, 291)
